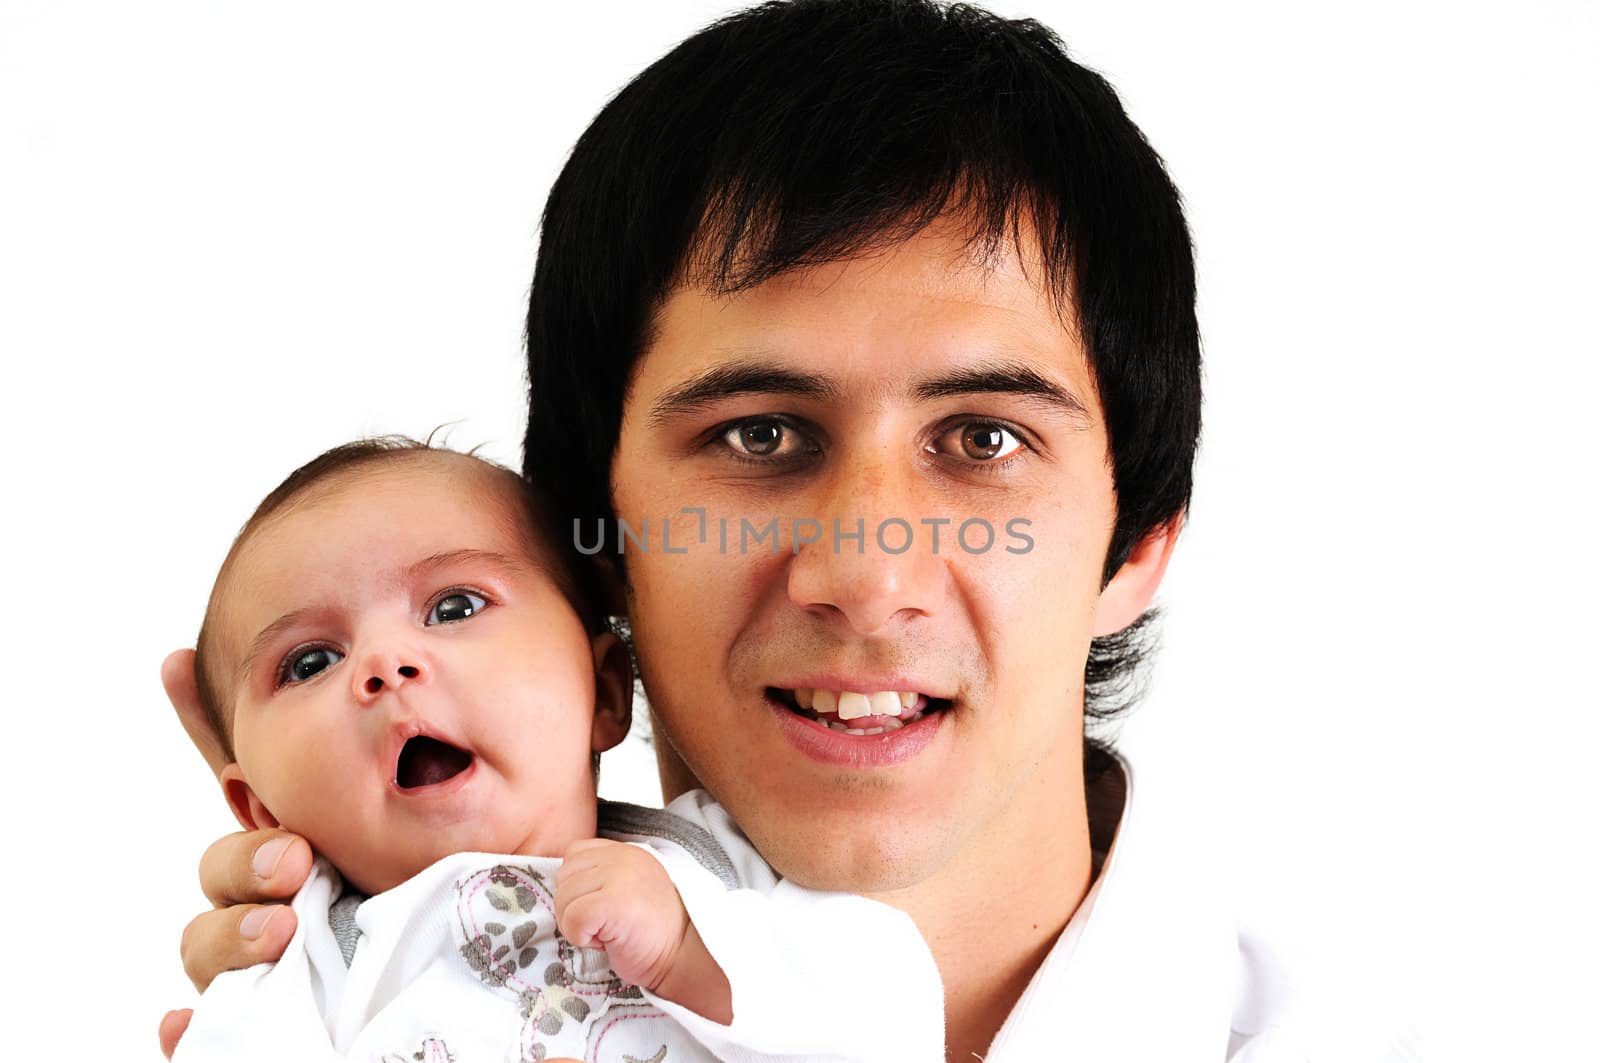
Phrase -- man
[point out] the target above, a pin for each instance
(858, 280)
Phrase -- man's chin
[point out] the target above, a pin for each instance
(856, 857)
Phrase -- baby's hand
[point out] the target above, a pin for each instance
(618, 897)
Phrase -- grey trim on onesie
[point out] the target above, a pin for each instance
(618, 820)
(342, 921)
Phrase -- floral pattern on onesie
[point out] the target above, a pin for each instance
(433, 1050)
(569, 999)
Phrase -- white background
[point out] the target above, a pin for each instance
(231, 235)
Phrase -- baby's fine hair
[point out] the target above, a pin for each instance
(574, 580)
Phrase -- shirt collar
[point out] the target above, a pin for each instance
(1145, 967)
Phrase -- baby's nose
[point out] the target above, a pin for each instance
(405, 671)
(387, 675)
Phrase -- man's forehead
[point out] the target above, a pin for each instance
(885, 323)
(865, 362)
(950, 258)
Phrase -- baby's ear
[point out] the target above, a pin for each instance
(247, 807)
(613, 692)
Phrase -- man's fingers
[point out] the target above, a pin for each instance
(173, 1023)
(177, 676)
(254, 866)
(231, 939)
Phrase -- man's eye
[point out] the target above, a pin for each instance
(766, 438)
(298, 667)
(981, 441)
(457, 605)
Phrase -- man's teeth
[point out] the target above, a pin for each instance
(892, 725)
(850, 705)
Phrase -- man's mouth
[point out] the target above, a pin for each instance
(426, 761)
(856, 712)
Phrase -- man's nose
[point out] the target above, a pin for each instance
(386, 670)
(889, 572)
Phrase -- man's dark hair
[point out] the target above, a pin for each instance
(798, 133)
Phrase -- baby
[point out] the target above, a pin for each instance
(407, 672)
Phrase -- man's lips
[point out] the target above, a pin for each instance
(875, 741)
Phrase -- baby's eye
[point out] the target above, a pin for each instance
(299, 667)
(457, 605)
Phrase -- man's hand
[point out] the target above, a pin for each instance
(240, 874)
(173, 1023)
(619, 898)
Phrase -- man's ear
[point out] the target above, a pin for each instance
(613, 692)
(247, 807)
(1132, 589)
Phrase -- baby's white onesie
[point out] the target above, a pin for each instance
(462, 964)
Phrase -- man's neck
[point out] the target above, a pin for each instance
(992, 915)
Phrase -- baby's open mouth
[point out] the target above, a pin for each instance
(858, 714)
(427, 761)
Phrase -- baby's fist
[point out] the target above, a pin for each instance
(618, 897)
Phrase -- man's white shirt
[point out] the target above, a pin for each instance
(1155, 965)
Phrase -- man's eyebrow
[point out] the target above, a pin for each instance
(1006, 378)
(739, 378)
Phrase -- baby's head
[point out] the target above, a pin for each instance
(402, 665)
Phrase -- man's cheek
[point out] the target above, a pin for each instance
(1036, 605)
(682, 611)
(1030, 581)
